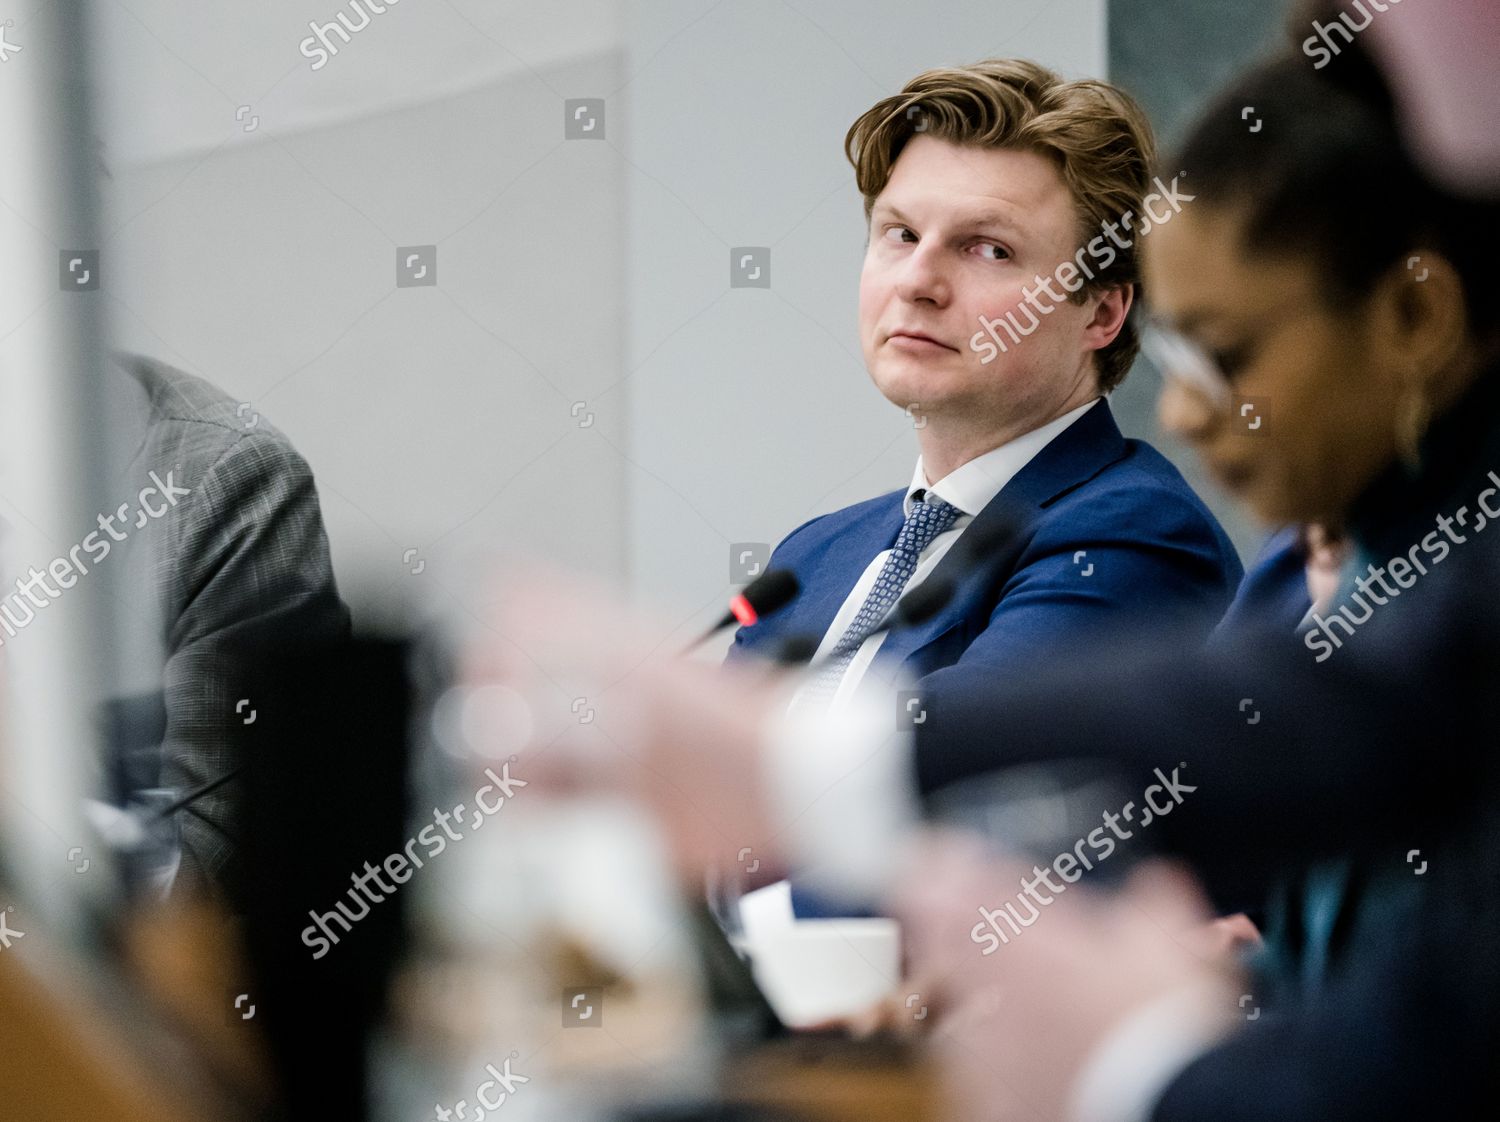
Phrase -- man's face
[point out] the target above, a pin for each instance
(956, 234)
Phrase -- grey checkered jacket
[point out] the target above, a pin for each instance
(243, 558)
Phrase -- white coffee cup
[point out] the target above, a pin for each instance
(815, 970)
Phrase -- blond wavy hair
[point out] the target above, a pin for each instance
(1098, 136)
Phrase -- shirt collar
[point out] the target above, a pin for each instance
(971, 486)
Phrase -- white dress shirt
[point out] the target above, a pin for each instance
(969, 488)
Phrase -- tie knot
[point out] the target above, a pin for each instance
(930, 503)
(927, 520)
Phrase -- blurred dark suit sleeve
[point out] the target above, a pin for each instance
(1288, 758)
(1385, 746)
(245, 563)
(1408, 1029)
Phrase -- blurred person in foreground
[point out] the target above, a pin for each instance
(1344, 441)
(1378, 383)
(1364, 766)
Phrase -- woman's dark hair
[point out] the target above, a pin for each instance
(1326, 174)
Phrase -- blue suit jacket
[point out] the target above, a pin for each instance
(1274, 593)
(1105, 533)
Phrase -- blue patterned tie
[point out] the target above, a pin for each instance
(928, 518)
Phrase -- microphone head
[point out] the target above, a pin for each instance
(925, 601)
(981, 540)
(770, 591)
(796, 650)
(985, 535)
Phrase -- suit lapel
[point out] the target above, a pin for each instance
(1080, 452)
(829, 574)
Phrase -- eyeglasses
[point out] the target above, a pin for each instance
(1180, 358)
(1183, 360)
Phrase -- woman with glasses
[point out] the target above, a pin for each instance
(1325, 319)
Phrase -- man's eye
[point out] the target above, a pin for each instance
(986, 249)
(900, 232)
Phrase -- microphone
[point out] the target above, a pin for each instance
(769, 592)
(921, 603)
(796, 649)
(981, 537)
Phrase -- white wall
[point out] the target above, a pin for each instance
(435, 418)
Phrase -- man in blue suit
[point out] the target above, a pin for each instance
(1002, 198)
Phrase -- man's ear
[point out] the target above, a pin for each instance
(1110, 311)
(1418, 314)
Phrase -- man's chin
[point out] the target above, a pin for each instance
(930, 387)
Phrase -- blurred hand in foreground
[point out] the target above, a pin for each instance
(1015, 1028)
(682, 737)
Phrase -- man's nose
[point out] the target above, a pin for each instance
(924, 277)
